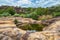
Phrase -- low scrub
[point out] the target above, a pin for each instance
(36, 27)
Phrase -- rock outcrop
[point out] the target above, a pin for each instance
(9, 31)
(53, 27)
(50, 33)
(30, 21)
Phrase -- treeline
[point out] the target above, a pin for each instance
(34, 13)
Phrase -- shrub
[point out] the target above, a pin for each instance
(16, 15)
(5, 14)
(22, 15)
(34, 15)
(56, 14)
(45, 17)
(36, 27)
(28, 15)
(16, 21)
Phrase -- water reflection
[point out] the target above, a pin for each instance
(31, 31)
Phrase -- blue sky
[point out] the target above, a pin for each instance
(30, 3)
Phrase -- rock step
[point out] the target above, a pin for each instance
(7, 24)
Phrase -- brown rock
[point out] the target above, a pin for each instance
(9, 31)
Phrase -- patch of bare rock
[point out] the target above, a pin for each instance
(30, 21)
(49, 33)
(9, 31)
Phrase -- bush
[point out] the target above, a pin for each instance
(45, 17)
(34, 15)
(5, 14)
(28, 15)
(16, 15)
(56, 14)
(23, 15)
(16, 21)
(36, 27)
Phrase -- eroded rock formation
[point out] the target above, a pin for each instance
(50, 33)
(9, 31)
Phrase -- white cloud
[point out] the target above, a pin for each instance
(27, 3)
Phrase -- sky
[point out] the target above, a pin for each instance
(30, 3)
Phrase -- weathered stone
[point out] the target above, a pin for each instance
(53, 27)
(9, 31)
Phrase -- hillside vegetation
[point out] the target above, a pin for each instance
(34, 13)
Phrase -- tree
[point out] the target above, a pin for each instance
(11, 10)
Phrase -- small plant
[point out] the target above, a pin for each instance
(16, 15)
(15, 21)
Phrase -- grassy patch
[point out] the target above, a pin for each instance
(36, 27)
